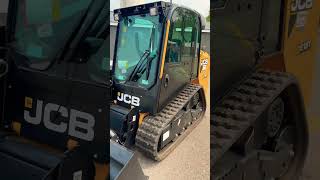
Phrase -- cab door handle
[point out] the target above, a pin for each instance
(166, 80)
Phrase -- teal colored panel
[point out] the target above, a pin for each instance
(38, 12)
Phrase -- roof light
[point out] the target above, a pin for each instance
(153, 11)
(116, 17)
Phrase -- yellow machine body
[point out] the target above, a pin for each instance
(299, 46)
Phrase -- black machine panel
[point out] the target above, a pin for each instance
(235, 32)
(20, 160)
(240, 37)
(129, 95)
(272, 26)
(67, 98)
(124, 123)
(53, 109)
(2, 41)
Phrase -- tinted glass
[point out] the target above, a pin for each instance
(3, 12)
(190, 34)
(175, 39)
(138, 35)
(43, 28)
(219, 3)
(93, 51)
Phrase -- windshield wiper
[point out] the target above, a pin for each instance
(141, 67)
(144, 67)
(145, 55)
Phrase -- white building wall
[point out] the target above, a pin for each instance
(127, 3)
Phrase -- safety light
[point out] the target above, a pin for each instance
(116, 17)
(153, 11)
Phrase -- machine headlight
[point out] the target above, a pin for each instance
(153, 11)
(116, 17)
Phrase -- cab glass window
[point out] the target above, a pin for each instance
(93, 51)
(184, 37)
(44, 27)
(218, 3)
(175, 39)
(191, 35)
(138, 47)
(3, 12)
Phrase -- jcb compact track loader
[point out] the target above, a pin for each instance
(159, 77)
(55, 94)
(264, 55)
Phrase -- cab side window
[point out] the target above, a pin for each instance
(175, 39)
(3, 12)
(184, 39)
(218, 3)
(191, 35)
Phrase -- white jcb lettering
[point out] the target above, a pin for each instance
(128, 99)
(300, 5)
(135, 101)
(88, 133)
(47, 120)
(81, 124)
(120, 97)
(37, 118)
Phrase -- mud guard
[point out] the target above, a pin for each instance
(124, 164)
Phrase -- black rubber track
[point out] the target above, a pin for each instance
(148, 134)
(242, 107)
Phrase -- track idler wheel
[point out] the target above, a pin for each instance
(287, 142)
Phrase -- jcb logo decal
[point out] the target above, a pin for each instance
(128, 99)
(204, 65)
(82, 129)
(301, 5)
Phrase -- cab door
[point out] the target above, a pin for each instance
(175, 75)
(192, 39)
(180, 55)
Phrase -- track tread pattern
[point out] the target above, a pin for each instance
(151, 129)
(242, 107)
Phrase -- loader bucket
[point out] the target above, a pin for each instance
(124, 164)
